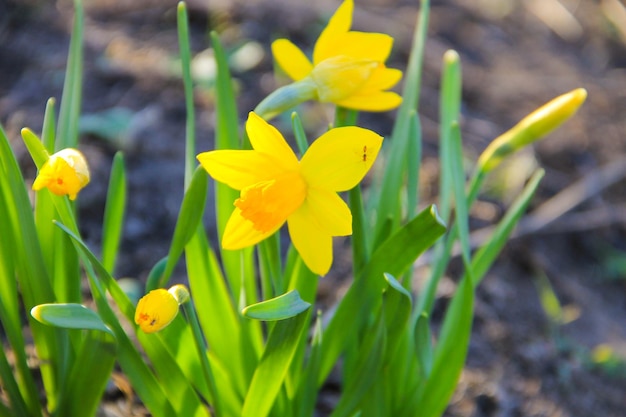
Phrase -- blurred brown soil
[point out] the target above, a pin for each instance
(516, 55)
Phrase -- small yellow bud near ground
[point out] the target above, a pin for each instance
(64, 173)
(156, 310)
(532, 128)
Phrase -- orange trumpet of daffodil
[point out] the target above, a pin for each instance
(348, 69)
(277, 188)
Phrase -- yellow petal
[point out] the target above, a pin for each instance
(359, 45)
(380, 101)
(314, 245)
(240, 169)
(291, 59)
(382, 78)
(64, 173)
(265, 138)
(156, 310)
(340, 158)
(241, 233)
(330, 211)
(338, 24)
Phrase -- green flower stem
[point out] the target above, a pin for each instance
(192, 317)
(347, 117)
(286, 97)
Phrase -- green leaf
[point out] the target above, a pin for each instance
(389, 201)
(69, 316)
(397, 310)
(449, 355)
(188, 220)
(272, 369)
(458, 184)
(140, 375)
(67, 131)
(30, 268)
(394, 257)
(299, 134)
(279, 308)
(414, 157)
(89, 375)
(185, 60)
(114, 213)
(423, 345)
(365, 371)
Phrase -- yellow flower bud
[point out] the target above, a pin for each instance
(156, 310)
(339, 77)
(531, 128)
(64, 173)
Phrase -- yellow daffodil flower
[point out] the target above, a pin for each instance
(348, 69)
(64, 173)
(159, 307)
(277, 188)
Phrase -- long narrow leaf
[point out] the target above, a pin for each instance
(113, 221)
(272, 369)
(393, 257)
(67, 131)
(449, 355)
(189, 218)
(388, 206)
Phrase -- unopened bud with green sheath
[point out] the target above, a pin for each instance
(532, 128)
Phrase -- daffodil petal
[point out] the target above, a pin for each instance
(380, 101)
(340, 158)
(382, 79)
(312, 242)
(359, 45)
(240, 232)
(339, 23)
(330, 211)
(265, 138)
(291, 59)
(240, 169)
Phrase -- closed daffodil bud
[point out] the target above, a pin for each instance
(64, 173)
(159, 307)
(532, 128)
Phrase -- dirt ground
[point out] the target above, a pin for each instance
(516, 55)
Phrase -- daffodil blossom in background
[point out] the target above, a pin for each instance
(159, 307)
(348, 69)
(277, 188)
(64, 173)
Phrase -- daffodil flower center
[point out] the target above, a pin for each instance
(267, 204)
